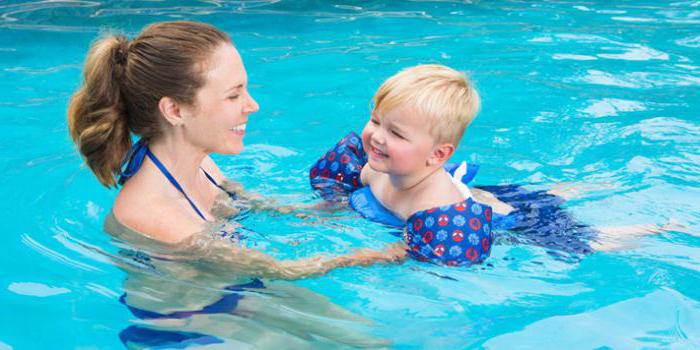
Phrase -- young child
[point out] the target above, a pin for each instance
(418, 120)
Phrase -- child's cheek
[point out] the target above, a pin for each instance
(365, 136)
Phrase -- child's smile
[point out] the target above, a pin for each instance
(374, 152)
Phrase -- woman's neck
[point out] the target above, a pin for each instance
(182, 159)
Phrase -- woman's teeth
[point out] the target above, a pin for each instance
(239, 128)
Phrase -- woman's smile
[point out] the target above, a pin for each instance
(239, 129)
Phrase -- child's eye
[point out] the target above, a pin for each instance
(396, 134)
(374, 121)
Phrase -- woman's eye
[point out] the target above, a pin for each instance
(374, 121)
(233, 97)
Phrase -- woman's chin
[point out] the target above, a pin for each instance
(231, 148)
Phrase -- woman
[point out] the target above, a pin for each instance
(182, 88)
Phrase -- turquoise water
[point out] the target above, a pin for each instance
(588, 92)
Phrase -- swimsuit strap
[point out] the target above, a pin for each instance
(135, 158)
(211, 179)
(172, 180)
(132, 161)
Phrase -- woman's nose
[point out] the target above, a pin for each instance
(252, 106)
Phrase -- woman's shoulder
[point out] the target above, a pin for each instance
(157, 218)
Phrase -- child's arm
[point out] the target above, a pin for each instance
(367, 175)
(489, 199)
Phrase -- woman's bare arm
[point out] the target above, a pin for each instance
(254, 263)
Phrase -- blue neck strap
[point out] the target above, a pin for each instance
(132, 162)
(134, 159)
(172, 180)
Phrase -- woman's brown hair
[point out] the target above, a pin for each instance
(124, 82)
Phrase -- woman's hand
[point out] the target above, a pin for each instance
(320, 265)
(393, 253)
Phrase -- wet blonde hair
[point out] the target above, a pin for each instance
(441, 94)
(123, 82)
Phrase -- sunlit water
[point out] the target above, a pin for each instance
(589, 92)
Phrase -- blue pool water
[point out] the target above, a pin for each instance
(592, 92)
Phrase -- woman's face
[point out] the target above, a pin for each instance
(217, 120)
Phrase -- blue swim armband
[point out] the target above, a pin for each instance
(457, 234)
(338, 171)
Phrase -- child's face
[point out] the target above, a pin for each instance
(398, 142)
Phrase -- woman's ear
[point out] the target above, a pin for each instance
(441, 153)
(170, 110)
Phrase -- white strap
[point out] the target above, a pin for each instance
(457, 180)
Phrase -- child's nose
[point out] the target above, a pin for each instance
(378, 137)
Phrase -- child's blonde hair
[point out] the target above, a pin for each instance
(444, 95)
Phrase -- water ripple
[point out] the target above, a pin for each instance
(611, 107)
(637, 53)
(41, 71)
(637, 80)
(564, 56)
(652, 320)
(54, 255)
(8, 11)
(667, 129)
(693, 42)
(35, 289)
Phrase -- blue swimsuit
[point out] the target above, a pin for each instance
(152, 337)
(537, 218)
(145, 336)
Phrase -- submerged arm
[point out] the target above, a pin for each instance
(254, 263)
(319, 264)
(259, 203)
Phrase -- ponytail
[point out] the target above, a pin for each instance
(97, 120)
(124, 82)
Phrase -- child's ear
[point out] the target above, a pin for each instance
(170, 110)
(441, 153)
